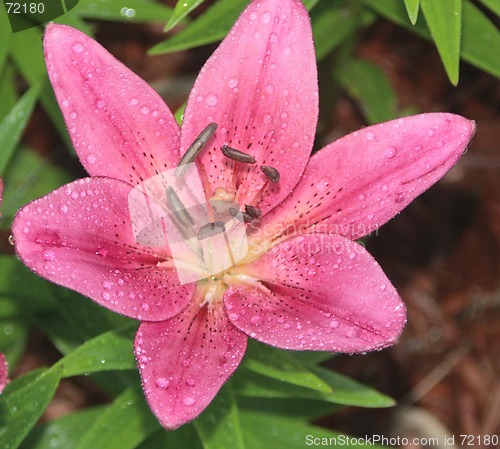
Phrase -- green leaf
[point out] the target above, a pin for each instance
(123, 10)
(494, 5)
(183, 438)
(265, 430)
(345, 391)
(280, 365)
(122, 425)
(412, 7)
(62, 432)
(8, 90)
(369, 86)
(480, 37)
(444, 19)
(20, 409)
(182, 9)
(179, 114)
(112, 350)
(12, 126)
(344, 20)
(219, 425)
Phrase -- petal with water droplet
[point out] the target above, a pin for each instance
(109, 121)
(359, 182)
(318, 298)
(184, 361)
(246, 87)
(90, 248)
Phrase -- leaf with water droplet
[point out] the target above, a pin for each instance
(182, 9)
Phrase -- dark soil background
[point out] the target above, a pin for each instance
(442, 252)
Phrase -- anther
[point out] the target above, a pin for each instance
(241, 216)
(272, 173)
(237, 155)
(210, 229)
(253, 211)
(194, 149)
(174, 203)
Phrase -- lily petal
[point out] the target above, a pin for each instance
(317, 292)
(119, 125)
(184, 361)
(4, 370)
(80, 236)
(359, 182)
(260, 87)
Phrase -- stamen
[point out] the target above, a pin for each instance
(272, 173)
(253, 211)
(237, 155)
(210, 229)
(241, 216)
(194, 149)
(174, 203)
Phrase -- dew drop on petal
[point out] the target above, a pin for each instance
(49, 255)
(90, 158)
(232, 83)
(334, 324)
(186, 363)
(322, 185)
(265, 17)
(162, 383)
(390, 152)
(267, 118)
(189, 402)
(145, 110)
(273, 37)
(211, 99)
(370, 135)
(269, 88)
(133, 101)
(77, 47)
(100, 103)
(287, 51)
(256, 320)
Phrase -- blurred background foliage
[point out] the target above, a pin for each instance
(275, 395)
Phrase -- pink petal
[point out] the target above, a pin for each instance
(80, 236)
(4, 371)
(359, 182)
(184, 361)
(260, 87)
(1, 193)
(317, 292)
(119, 125)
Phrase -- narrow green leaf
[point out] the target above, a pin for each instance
(412, 7)
(123, 10)
(445, 23)
(122, 425)
(62, 432)
(266, 430)
(112, 350)
(494, 5)
(280, 365)
(182, 9)
(371, 89)
(219, 425)
(20, 409)
(12, 126)
(345, 391)
(480, 37)
(179, 114)
(183, 438)
(8, 90)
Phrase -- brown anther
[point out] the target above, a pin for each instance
(241, 216)
(237, 155)
(210, 229)
(175, 204)
(253, 211)
(194, 149)
(272, 173)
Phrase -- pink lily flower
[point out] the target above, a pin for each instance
(4, 370)
(303, 283)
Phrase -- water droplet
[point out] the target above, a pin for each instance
(145, 306)
(232, 83)
(49, 255)
(390, 152)
(256, 320)
(186, 363)
(370, 135)
(101, 252)
(233, 316)
(211, 99)
(267, 118)
(77, 47)
(253, 16)
(133, 101)
(431, 132)
(334, 324)
(322, 185)
(287, 51)
(100, 103)
(269, 88)
(162, 383)
(273, 37)
(90, 158)
(145, 110)
(265, 17)
(106, 296)
(189, 402)
(108, 285)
